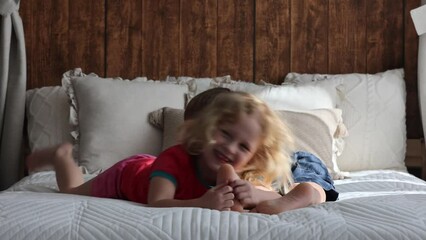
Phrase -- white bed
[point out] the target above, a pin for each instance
(378, 198)
(373, 205)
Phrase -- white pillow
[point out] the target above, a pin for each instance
(314, 131)
(373, 108)
(110, 116)
(287, 97)
(47, 112)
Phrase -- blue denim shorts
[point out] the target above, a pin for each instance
(307, 167)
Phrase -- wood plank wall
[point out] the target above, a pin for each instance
(248, 39)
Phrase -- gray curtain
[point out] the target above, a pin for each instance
(421, 68)
(13, 76)
(421, 72)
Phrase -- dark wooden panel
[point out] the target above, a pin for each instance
(46, 36)
(375, 33)
(394, 34)
(62, 35)
(235, 39)
(25, 11)
(309, 32)
(346, 38)
(414, 125)
(143, 38)
(384, 35)
(124, 38)
(198, 38)
(161, 29)
(87, 36)
(272, 40)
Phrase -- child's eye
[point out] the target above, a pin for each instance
(225, 133)
(245, 148)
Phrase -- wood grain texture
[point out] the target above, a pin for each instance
(346, 37)
(161, 36)
(309, 34)
(198, 38)
(47, 47)
(124, 38)
(86, 36)
(235, 39)
(273, 40)
(61, 35)
(375, 33)
(384, 34)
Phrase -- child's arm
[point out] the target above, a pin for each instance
(161, 194)
(302, 195)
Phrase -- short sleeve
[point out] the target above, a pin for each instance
(170, 164)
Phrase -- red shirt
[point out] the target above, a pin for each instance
(175, 164)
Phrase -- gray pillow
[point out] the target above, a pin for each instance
(110, 116)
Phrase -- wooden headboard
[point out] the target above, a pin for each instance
(250, 40)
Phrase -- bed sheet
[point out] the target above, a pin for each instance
(372, 205)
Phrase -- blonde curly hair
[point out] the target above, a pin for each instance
(272, 159)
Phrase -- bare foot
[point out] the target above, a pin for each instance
(44, 159)
(227, 174)
(63, 151)
(68, 174)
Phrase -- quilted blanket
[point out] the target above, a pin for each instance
(372, 205)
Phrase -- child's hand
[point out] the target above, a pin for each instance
(245, 192)
(219, 197)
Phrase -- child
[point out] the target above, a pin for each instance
(236, 133)
(313, 182)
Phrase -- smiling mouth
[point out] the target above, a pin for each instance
(222, 157)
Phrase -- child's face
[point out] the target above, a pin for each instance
(234, 143)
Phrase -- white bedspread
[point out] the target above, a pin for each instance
(372, 205)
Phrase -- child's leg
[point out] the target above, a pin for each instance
(302, 195)
(68, 175)
(227, 174)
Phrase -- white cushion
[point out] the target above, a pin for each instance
(47, 112)
(111, 120)
(373, 108)
(290, 97)
(314, 131)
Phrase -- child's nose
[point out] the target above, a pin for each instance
(232, 147)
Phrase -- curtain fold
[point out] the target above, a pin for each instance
(421, 74)
(13, 77)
